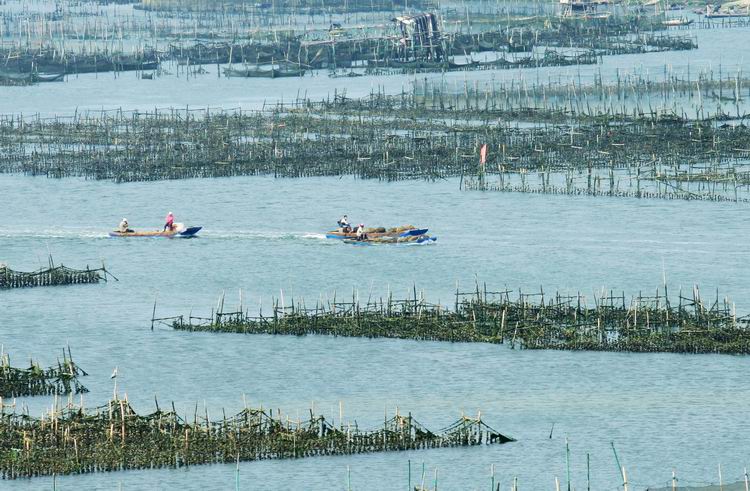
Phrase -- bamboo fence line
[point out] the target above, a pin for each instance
(683, 94)
(316, 139)
(303, 7)
(35, 380)
(70, 45)
(74, 440)
(383, 57)
(71, 27)
(615, 37)
(606, 322)
(81, 38)
(50, 276)
(701, 182)
(77, 24)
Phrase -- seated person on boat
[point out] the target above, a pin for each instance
(170, 222)
(124, 228)
(361, 235)
(344, 224)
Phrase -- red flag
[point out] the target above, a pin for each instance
(483, 154)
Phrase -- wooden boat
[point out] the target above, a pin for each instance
(412, 239)
(677, 22)
(13, 78)
(485, 46)
(726, 14)
(48, 77)
(262, 73)
(125, 66)
(177, 233)
(373, 233)
(422, 64)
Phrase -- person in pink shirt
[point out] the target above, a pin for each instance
(170, 222)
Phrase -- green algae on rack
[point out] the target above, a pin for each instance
(312, 139)
(113, 437)
(642, 324)
(50, 276)
(35, 380)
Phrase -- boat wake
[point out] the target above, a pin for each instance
(57, 233)
(267, 235)
(420, 244)
(101, 233)
(314, 236)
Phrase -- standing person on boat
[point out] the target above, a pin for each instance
(124, 227)
(361, 235)
(170, 222)
(344, 224)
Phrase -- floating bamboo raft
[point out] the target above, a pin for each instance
(71, 440)
(51, 276)
(35, 380)
(533, 321)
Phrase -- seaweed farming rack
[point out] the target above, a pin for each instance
(51, 276)
(655, 155)
(71, 42)
(604, 322)
(35, 380)
(71, 439)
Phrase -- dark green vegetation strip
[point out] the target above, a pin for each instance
(52, 276)
(115, 437)
(317, 142)
(643, 324)
(35, 380)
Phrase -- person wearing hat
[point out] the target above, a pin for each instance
(361, 235)
(124, 227)
(170, 222)
(344, 224)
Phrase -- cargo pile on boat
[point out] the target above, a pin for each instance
(381, 235)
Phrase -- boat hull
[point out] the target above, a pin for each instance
(416, 239)
(260, 73)
(188, 232)
(335, 234)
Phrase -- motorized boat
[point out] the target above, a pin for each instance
(376, 232)
(256, 72)
(677, 22)
(411, 239)
(178, 231)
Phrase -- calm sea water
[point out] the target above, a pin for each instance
(264, 236)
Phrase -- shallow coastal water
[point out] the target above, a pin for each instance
(264, 236)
